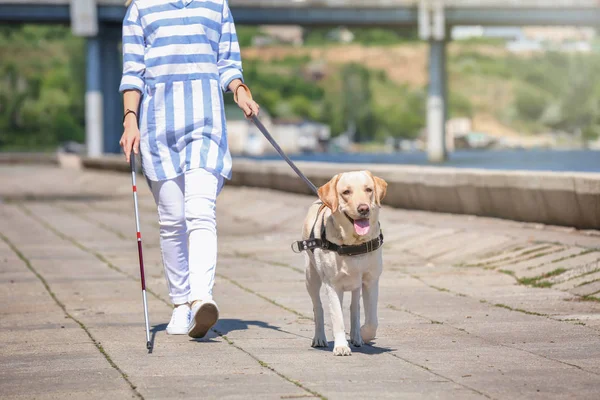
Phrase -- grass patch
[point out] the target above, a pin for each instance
(538, 280)
(583, 253)
(437, 322)
(526, 253)
(590, 298)
(515, 256)
(498, 253)
(528, 281)
(499, 305)
(588, 282)
(543, 284)
(507, 272)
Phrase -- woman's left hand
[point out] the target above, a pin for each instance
(246, 103)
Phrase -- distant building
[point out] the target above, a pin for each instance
(559, 34)
(457, 128)
(280, 34)
(243, 136)
(301, 135)
(292, 135)
(340, 35)
(315, 71)
(468, 32)
(533, 39)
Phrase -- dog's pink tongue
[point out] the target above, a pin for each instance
(361, 226)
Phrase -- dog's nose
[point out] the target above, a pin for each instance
(363, 209)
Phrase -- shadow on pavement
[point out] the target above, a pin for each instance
(367, 349)
(224, 326)
(153, 331)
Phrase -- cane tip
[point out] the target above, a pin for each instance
(149, 345)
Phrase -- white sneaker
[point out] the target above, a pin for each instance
(204, 315)
(180, 320)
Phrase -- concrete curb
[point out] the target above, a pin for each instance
(29, 158)
(108, 163)
(552, 198)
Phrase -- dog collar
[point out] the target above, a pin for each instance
(343, 250)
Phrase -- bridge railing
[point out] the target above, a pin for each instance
(415, 3)
(498, 4)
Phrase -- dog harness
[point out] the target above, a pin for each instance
(343, 250)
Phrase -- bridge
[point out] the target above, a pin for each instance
(99, 21)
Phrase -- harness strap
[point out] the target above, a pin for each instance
(344, 250)
(322, 242)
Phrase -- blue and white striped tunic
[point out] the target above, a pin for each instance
(181, 55)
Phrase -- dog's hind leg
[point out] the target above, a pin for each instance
(355, 337)
(313, 285)
(370, 296)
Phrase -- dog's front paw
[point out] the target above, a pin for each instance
(355, 339)
(319, 341)
(357, 343)
(368, 332)
(342, 351)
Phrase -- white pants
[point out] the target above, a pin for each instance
(188, 233)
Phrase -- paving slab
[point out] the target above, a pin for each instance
(579, 281)
(39, 339)
(589, 288)
(445, 331)
(154, 376)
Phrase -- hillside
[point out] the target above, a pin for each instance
(489, 93)
(379, 90)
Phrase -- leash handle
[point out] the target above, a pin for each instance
(267, 135)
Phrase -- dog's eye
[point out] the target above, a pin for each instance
(369, 190)
(346, 192)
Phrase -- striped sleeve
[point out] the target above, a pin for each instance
(133, 51)
(229, 60)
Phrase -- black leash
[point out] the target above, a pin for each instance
(322, 243)
(264, 131)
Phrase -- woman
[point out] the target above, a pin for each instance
(179, 56)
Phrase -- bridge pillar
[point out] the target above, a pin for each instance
(437, 102)
(93, 99)
(111, 77)
(433, 27)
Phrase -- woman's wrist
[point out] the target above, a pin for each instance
(246, 90)
(130, 121)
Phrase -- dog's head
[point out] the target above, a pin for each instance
(357, 196)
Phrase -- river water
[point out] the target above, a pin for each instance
(531, 160)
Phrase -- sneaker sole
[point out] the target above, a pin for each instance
(177, 331)
(205, 318)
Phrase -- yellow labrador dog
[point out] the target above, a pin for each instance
(342, 242)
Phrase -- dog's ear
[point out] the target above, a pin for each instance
(380, 188)
(328, 193)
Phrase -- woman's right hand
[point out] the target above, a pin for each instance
(130, 139)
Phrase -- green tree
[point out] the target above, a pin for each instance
(357, 101)
(530, 103)
(42, 86)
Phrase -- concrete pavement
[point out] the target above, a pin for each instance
(469, 307)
